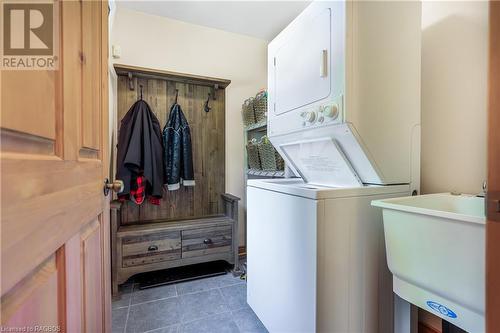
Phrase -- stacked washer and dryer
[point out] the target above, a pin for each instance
(344, 113)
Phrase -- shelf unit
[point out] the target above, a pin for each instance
(257, 131)
(256, 127)
(266, 174)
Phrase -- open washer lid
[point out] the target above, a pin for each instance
(329, 156)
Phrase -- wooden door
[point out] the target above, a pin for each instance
(55, 265)
(493, 195)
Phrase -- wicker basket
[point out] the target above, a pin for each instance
(253, 155)
(260, 107)
(248, 112)
(280, 162)
(270, 160)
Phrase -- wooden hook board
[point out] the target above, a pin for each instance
(208, 141)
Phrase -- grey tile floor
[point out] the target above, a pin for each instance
(215, 304)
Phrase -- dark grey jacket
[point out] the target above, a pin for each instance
(140, 151)
(178, 152)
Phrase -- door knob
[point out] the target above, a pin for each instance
(116, 186)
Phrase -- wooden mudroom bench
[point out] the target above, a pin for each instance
(154, 245)
(194, 224)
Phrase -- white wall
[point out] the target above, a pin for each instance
(454, 77)
(162, 43)
(454, 92)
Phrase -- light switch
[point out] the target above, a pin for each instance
(116, 51)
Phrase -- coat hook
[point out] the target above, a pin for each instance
(216, 86)
(130, 81)
(176, 95)
(207, 107)
(140, 86)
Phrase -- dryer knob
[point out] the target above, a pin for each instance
(331, 111)
(310, 117)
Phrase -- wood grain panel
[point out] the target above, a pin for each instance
(72, 76)
(105, 158)
(171, 76)
(193, 228)
(208, 143)
(493, 195)
(54, 252)
(22, 306)
(34, 95)
(44, 209)
(151, 258)
(423, 328)
(151, 248)
(163, 241)
(92, 278)
(208, 250)
(74, 283)
(91, 61)
(13, 141)
(204, 241)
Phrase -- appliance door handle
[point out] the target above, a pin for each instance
(323, 67)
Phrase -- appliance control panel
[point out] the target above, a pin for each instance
(319, 115)
(323, 114)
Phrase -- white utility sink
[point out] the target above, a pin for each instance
(435, 251)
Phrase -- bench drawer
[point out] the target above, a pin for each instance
(152, 248)
(205, 241)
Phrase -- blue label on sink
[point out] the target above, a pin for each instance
(441, 309)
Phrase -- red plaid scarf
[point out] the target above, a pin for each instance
(138, 191)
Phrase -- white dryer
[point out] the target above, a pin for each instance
(344, 112)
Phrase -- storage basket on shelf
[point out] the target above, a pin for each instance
(253, 155)
(248, 112)
(260, 107)
(270, 160)
(280, 162)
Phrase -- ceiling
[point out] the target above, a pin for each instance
(260, 19)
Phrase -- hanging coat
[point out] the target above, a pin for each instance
(178, 151)
(140, 155)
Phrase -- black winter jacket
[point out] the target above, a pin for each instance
(178, 152)
(140, 150)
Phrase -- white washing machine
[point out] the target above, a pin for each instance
(319, 263)
(344, 112)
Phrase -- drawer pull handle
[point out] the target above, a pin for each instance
(207, 241)
(153, 248)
